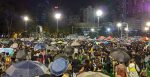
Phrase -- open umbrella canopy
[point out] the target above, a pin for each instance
(14, 45)
(52, 48)
(4, 41)
(120, 55)
(7, 50)
(21, 54)
(92, 74)
(75, 43)
(69, 50)
(39, 46)
(26, 69)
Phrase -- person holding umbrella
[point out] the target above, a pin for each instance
(133, 69)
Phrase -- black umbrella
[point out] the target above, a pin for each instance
(119, 54)
(69, 50)
(21, 54)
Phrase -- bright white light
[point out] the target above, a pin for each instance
(147, 23)
(146, 28)
(119, 25)
(99, 13)
(26, 18)
(108, 29)
(92, 30)
(126, 29)
(58, 15)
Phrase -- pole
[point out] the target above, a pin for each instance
(98, 21)
(127, 30)
(57, 26)
(121, 32)
(118, 32)
(72, 29)
(25, 26)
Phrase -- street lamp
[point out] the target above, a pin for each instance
(119, 25)
(146, 29)
(57, 16)
(92, 30)
(26, 19)
(99, 13)
(108, 29)
(126, 29)
(148, 24)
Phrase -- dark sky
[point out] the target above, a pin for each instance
(67, 5)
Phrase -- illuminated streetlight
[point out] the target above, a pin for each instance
(99, 13)
(126, 29)
(108, 29)
(92, 30)
(146, 28)
(119, 25)
(148, 24)
(26, 19)
(57, 16)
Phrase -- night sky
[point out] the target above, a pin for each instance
(69, 5)
(18, 8)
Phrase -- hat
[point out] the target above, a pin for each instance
(59, 66)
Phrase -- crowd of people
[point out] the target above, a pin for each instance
(71, 58)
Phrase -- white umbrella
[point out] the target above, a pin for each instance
(75, 43)
(14, 45)
(92, 74)
(52, 43)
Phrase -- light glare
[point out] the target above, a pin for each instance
(58, 15)
(99, 13)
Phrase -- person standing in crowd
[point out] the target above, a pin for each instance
(7, 61)
(133, 69)
(120, 70)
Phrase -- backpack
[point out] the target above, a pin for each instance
(7, 60)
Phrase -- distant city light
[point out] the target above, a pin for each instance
(56, 7)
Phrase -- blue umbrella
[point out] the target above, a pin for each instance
(27, 69)
(39, 46)
(7, 50)
(106, 42)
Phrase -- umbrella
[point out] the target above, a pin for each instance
(52, 43)
(69, 50)
(54, 48)
(26, 69)
(60, 42)
(39, 46)
(92, 74)
(75, 43)
(7, 50)
(5, 41)
(14, 45)
(21, 54)
(120, 55)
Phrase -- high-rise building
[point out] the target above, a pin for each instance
(89, 15)
(40, 11)
(130, 11)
